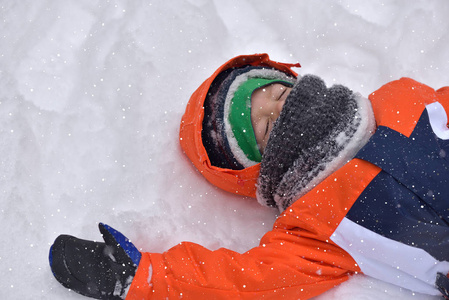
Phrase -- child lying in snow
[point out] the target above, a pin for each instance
(362, 186)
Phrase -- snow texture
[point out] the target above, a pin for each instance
(91, 97)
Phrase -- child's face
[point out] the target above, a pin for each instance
(266, 105)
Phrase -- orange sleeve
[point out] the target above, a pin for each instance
(289, 264)
(399, 104)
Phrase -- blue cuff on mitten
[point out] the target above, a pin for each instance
(125, 243)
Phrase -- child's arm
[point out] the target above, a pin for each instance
(288, 264)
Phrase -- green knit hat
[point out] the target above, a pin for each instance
(240, 115)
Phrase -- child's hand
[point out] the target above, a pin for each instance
(93, 269)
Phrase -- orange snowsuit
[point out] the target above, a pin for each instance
(313, 246)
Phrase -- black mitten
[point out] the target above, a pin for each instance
(318, 131)
(94, 269)
(442, 283)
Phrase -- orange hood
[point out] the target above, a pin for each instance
(242, 182)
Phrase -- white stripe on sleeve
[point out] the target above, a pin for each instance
(388, 260)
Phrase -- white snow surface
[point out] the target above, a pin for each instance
(92, 93)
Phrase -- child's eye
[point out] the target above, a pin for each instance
(281, 94)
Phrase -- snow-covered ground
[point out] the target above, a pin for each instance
(92, 92)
